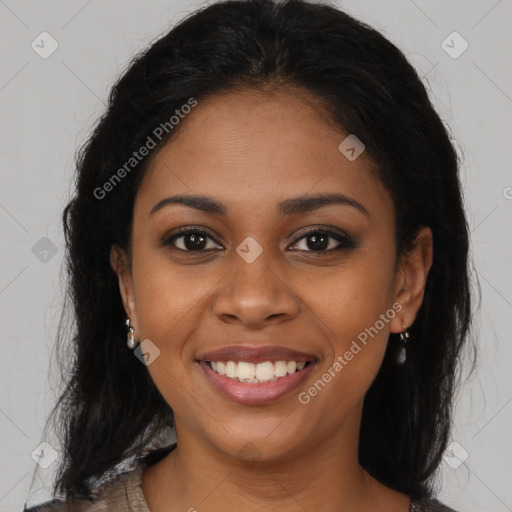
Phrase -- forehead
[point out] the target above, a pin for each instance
(249, 147)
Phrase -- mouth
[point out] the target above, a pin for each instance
(256, 375)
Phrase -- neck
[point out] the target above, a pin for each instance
(323, 476)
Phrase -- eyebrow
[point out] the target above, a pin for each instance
(292, 206)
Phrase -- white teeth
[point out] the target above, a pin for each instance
(231, 369)
(246, 371)
(253, 373)
(221, 368)
(280, 368)
(265, 371)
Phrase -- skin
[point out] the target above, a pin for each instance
(250, 150)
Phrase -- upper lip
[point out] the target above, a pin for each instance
(255, 354)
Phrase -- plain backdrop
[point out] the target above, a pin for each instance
(49, 105)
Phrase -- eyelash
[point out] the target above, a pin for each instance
(345, 241)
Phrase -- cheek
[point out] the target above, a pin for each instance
(357, 308)
(168, 302)
(357, 293)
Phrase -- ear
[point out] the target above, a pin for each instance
(411, 279)
(120, 263)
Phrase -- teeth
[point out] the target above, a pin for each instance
(231, 369)
(291, 366)
(265, 371)
(221, 368)
(253, 373)
(280, 368)
(246, 371)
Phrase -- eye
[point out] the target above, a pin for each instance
(314, 240)
(191, 240)
(323, 240)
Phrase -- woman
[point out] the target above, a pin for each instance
(268, 251)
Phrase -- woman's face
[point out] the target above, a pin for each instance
(257, 286)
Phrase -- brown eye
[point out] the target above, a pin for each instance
(191, 240)
(318, 240)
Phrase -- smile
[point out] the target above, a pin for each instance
(252, 373)
(256, 375)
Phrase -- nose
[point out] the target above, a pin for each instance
(255, 294)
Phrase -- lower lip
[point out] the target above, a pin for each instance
(257, 394)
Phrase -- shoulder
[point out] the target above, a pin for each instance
(120, 493)
(431, 505)
(61, 506)
(80, 505)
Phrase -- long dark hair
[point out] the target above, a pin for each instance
(110, 409)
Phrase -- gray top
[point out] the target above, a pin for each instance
(124, 493)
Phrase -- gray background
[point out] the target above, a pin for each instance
(48, 107)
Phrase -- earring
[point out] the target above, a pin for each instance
(404, 338)
(130, 340)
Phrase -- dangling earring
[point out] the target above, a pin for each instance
(404, 338)
(130, 340)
